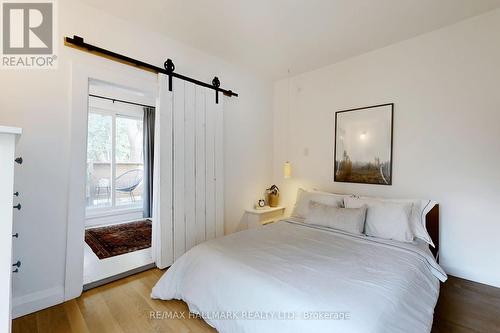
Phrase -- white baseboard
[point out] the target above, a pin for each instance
(36, 301)
(473, 276)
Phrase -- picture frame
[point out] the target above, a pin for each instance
(363, 145)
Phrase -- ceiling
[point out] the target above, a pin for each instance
(272, 36)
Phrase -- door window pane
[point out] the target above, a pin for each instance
(129, 162)
(99, 155)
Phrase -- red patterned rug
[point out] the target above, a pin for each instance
(119, 239)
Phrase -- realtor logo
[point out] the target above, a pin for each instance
(28, 34)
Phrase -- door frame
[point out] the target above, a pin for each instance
(82, 72)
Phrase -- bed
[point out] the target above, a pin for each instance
(293, 277)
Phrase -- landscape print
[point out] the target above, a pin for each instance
(363, 145)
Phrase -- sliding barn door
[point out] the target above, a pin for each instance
(198, 198)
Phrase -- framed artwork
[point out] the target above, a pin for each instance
(363, 145)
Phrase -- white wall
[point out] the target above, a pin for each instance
(445, 86)
(39, 102)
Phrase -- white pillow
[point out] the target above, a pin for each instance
(304, 197)
(350, 220)
(387, 220)
(417, 219)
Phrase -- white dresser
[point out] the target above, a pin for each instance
(8, 138)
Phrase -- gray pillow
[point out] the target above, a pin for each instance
(351, 220)
(304, 197)
(384, 219)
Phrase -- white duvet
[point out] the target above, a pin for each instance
(293, 277)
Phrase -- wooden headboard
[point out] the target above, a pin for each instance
(432, 225)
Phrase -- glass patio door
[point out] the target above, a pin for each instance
(115, 166)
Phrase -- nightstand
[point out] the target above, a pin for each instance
(259, 217)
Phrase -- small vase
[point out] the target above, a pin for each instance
(274, 200)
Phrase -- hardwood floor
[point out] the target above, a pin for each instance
(125, 306)
(121, 306)
(466, 306)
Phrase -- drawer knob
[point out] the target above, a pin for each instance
(19, 160)
(17, 264)
(18, 206)
(16, 235)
